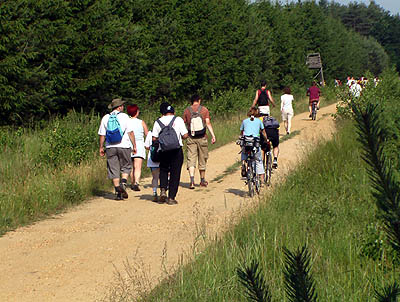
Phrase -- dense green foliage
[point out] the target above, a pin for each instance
(60, 55)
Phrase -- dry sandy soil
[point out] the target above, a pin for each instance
(75, 256)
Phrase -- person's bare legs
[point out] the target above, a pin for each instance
(289, 124)
(191, 175)
(137, 169)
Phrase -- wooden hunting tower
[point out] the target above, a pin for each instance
(314, 62)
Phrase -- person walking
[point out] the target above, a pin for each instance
(117, 136)
(170, 130)
(140, 130)
(287, 108)
(313, 93)
(154, 166)
(263, 99)
(197, 119)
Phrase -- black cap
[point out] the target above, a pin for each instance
(166, 108)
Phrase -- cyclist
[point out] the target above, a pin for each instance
(263, 98)
(313, 93)
(271, 126)
(252, 126)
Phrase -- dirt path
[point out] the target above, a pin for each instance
(74, 256)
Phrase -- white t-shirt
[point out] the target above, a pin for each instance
(178, 125)
(147, 144)
(286, 102)
(123, 119)
(355, 90)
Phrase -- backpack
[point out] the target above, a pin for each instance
(197, 127)
(270, 122)
(155, 153)
(263, 99)
(168, 138)
(114, 132)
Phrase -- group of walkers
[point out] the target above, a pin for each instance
(124, 139)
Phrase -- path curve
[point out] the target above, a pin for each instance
(74, 256)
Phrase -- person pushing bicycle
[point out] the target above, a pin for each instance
(252, 127)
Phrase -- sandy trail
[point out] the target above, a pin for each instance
(74, 256)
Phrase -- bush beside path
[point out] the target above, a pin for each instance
(74, 256)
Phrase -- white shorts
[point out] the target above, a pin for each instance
(264, 109)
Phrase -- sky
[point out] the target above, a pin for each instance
(393, 6)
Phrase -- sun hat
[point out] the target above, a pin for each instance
(116, 103)
(166, 108)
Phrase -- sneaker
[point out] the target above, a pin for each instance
(171, 201)
(275, 164)
(155, 197)
(135, 187)
(243, 173)
(204, 183)
(124, 194)
(163, 196)
(191, 186)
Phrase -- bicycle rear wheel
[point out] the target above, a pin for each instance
(256, 179)
(250, 175)
(268, 167)
(314, 112)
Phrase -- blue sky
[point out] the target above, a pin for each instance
(391, 5)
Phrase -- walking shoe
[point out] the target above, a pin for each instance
(124, 194)
(118, 192)
(191, 185)
(275, 164)
(135, 187)
(204, 183)
(171, 201)
(163, 196)
(155, 197)
(243, 173)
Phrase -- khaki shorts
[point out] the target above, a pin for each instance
(197, 150)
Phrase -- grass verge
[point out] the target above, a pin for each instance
(325, 203)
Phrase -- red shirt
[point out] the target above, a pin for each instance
(313, 92)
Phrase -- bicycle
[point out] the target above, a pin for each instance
(314, 110)
(267, 161)
(250, 146)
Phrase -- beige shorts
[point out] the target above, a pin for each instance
(197, 150)
(287, 115)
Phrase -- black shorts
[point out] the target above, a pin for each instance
(273, 136)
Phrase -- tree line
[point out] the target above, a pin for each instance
(58, 55)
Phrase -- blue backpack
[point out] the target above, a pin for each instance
(114, 132)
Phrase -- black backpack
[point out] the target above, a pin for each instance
(263, 99)
(168, 138)
(270, 122)
(155, 152)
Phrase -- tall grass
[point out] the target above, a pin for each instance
(325, 204)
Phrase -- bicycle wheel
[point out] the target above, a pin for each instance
(268, 167)
(256, 179)
(314, 112)
(250, 176)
